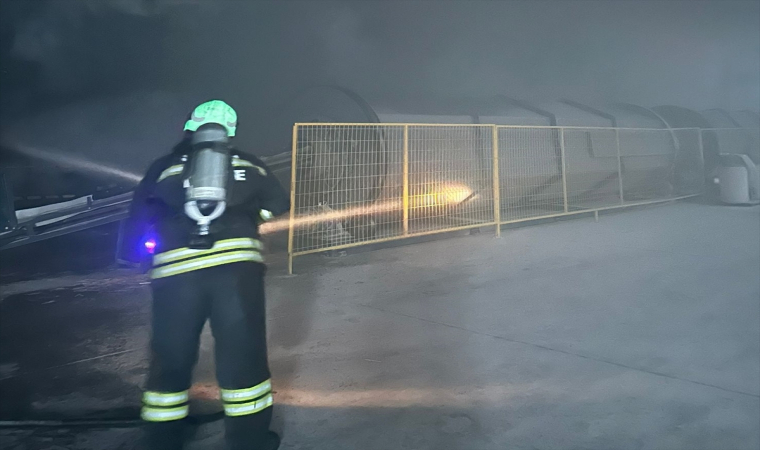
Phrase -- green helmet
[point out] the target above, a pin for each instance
(214, 111)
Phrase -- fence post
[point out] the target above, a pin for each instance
(703, 187)
(620, 165)
(405, 194)
(564, 167)
(291, 225)
(496, 184)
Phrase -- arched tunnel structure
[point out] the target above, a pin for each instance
(125, 134)
(653, 163)
(743, 137)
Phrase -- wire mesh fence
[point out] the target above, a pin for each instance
(354, 184)
(592, 168)
(530, 172)
(688, 174)
(449, 177)
(646, 162)
(347, 185)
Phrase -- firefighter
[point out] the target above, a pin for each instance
(204, 202)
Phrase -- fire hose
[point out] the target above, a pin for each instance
(101, 423)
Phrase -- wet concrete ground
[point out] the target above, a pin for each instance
(641, 331)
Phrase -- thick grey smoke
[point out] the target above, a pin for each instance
(698, 54)
(109, 81)
(691, 53)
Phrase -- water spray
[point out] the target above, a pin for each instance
(76, 162)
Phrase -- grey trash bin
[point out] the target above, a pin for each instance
(738, 179)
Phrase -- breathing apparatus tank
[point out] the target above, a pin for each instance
(207, 181)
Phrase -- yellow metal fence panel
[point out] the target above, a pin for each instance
(348, 185)
(647, 158)
(593, 168)
(688, 170)
(355, 184)
(530, 172)
(450, 177)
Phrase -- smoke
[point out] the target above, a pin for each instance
(79, 48)
(699, 54)
(691, 53)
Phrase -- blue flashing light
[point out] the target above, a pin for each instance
(150, 245)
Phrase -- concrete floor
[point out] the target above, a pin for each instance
(641, 331)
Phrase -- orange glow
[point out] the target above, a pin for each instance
(204, 391)
(446, 195)
(459, 396)
(282, 224)
(384, 398)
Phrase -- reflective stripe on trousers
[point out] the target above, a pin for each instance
(164, 406)
(241, 402)
(243, 409)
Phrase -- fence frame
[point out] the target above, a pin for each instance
(405, 181)
(620, 166)
(497, 221)
(496, 184)
(292, 220)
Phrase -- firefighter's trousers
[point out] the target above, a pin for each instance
(231, 296)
